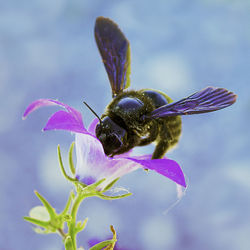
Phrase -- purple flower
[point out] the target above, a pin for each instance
(92, 163)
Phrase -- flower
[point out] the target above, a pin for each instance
(92, 163)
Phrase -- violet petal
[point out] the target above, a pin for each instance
(93, 165)
(165, 167)
(36, 105)
(64, 121)
(71, 119)
(92, 126)
(49, 102)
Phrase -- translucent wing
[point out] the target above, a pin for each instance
(207, 100)
(115, 51)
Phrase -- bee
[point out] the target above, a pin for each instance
(138, 118)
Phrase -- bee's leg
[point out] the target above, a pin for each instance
(160, 149)
(163, 143)
(169, 134)
(153, 133)
(132, 141)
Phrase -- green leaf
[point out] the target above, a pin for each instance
(37, 222)
(96, 184)
(88, 190)
(110, 185)
(62, 167)
(111, 247)
(80, 186)
(106, 197)
(46, 217)
(81, 225)
(108, 244)
(71, 163)
(102, 244)
(49, 208)
(67, 206)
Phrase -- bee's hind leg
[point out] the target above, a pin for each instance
(161, 149)
(163, 142)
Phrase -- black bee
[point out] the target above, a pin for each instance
(137, 118)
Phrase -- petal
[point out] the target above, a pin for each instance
(71, 119)
(93, 165)
(90, 157)
(92, 126)
(140, 157)
(165, 167)
(116, 168)
(64, 121)
(49, 102)
(36, 105)
(123, 155)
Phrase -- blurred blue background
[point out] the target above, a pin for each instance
(47, 50)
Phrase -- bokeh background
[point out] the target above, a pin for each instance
(47, 50)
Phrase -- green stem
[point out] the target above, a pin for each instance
(81, 194)
(72, 232)
(72, 225)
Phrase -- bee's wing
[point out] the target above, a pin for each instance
(115, 51)
(207, 100)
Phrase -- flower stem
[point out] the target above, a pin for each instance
(72, 224)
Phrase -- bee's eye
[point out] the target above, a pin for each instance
(111, 143)
(99, 130)
(111, 135)
(111, 140)
(102, 138)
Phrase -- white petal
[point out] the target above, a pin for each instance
(93, 164)
(89, 154)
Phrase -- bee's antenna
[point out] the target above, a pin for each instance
(93, 112)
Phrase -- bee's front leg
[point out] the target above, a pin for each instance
(152, 135)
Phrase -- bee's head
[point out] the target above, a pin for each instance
(111, 135)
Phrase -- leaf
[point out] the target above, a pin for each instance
(110, 185)
(46, 204)
(102, 244)
(106, 197)
(81, 225)
(62, 167)
(111, 246)
(108, 244)
(37, 222)
(71, 163)
(68, 204)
